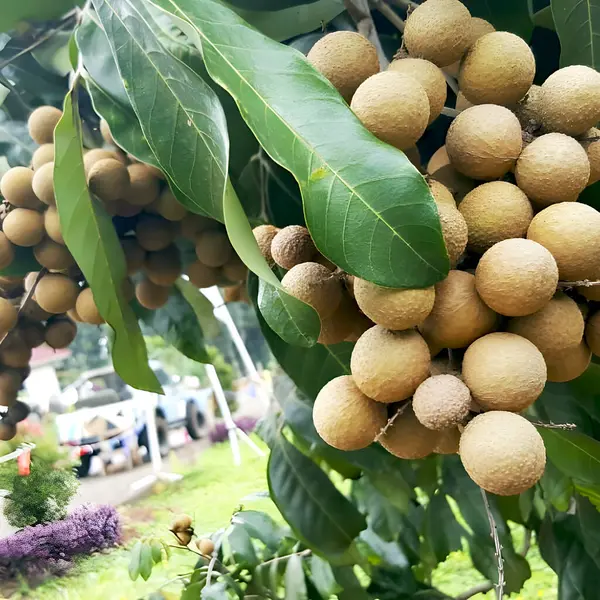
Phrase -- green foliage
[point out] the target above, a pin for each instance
(504, 15)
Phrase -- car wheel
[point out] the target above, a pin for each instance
(194, 421)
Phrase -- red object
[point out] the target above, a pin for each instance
(24, 463)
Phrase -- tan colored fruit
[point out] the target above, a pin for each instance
(205, 546)
(10, 381)
(60, 332)
(7, 431)
(388, 366)
(484, 141)
(16, 187)
(105, 132)
(553, 168)
(91, 157)
(15, 353)
(24, 227)
(448, 442)
(345, 418)
(32, 332)
(556, 326)
(169, 207)
(43, 184)
(202, 276)
(7, 251)
(163, 267)
(441, 402)
(407, 438)
(459, 315)
(516, 277)
(592, 333)
(395, 309)
(154, 233)
(529, 109)
(134, 255)
(264, 235)
(56, 293)
(571, 232)
(441, 170)
(41, 124)
(345, 58)
(346, 322)
(52, 225)
(504, 371)
(8, 398)
(429, 76)
(181, 523)
(213, 248)
(566, 365)
(86, 308)
(503, 453)
(454, 231)
(292, 246)
(44, 154)
(394, 107)
(486, 79)
(108, 179)
(315, 285)
(439, 31)
(479, 27)
(591, 145)
(53, 256)
(571, 100)
(191, 225)
(493, 212)
(143, 185)
(150, 295)
(8, 315)
(441, 194)
(462, 103)
(122, 208)
(234, 269)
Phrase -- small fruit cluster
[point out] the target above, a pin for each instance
(182, 529)
(449, 368)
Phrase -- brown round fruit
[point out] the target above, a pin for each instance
(53, 256)
(394, 107)
(516, 277)
(479, 27)
(592, 333)
(205, 546)
(134, 255)
(213, 248)
(484, 141)
(43, 184)
(86, 308)
(154, 233)
(234, 269)
(202, 276)
(568, 364)
(7, 431)
(143, 185)
(108, 178)
(56, 293)
(454, 231)
(395, 309)
(91, 157)
(7, 251)
(191, 225)
(163, 267)
(407, 438)
(150, 295)
(44, 154)
(52, 225)
(15, 353)
(169, 207)
(347, 323)
(441, 402)
(60, 332)
(292, 246)
(591, 144)
(503, 453)
(24, 227)
(462, 103)
(388, 366)
(32, 332)
(441, 194)
(264, 235)
(493, 212)
(16, 187)
(345, 418)
(345, 58)
(441, 170)
(41, 124)
(8, 315)
(529, 109)
(10, 382)
(182, 523)
(448, 442)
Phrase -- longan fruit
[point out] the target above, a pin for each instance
(44, 154)
(43, 184)
(441, 402)
(8, 315)
(134, 255)
(568, 364)
(86, 308)
(154, 233)
(529, 109)
(169, 207)
(24, 227)
(7, 251)
(7, 431)
(191, 225)
(234, 269)
(10, 382)
(462, 103)
(591, 145)
(205, 546)
(292, 246)
(213, 248)
(454, 231)
(15, 353)
(202, 276)
(56, 293)
(264, 235)
(407, 438)
(52, 225)
(479, 27)
(60, 332)
(53, 256)
(143, 185)
(592, 333)
(346, 323)
(150, 295)
(32, 332)
(164, 266)
(441, 170)
(94, 155)
(41, 124)
(441, 194)
(16, 187)
(122, 208)
(108, 179)
(181, 523)
(346, 59)
(393, 107)
(448, 442)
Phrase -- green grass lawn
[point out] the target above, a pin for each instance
(211, 491)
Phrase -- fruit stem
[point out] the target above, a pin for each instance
(391, 420)
(554, 425)
(389, 13)
(497, 545)
(582, 283)
(361, 15)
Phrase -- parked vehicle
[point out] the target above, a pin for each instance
(100, 413)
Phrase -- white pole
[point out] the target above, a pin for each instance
(152, 435)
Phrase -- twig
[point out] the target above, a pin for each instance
(582, 283)
(450, 112)
(303, 553)
(389, 14)
(390, 422)
(526, 543)
(361, 15)
(497, 545)
(211, 566)
(480, 588)
(554, 425)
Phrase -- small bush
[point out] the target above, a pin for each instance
(219, 431)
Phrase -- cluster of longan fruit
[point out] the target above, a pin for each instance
(182, 529)
(450, 368)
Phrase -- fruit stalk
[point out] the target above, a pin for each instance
(497, 545)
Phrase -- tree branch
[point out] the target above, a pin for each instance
(391, 420)
(361, 15)
(450, 112)
(389, 14)
(497, 545)
(480, 588)
(554, 425)
(582, 283)
(303, 553)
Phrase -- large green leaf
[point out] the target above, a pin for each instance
(504, 15)
(368, 209)
(317, 512)
(578, 28)
(295, 582)
(93, 242)
(202, 307)
(269, 4)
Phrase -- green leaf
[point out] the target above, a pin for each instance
(261, 526)
(146, 561)
(15, 142)
(134, 561)
(352, 589)
(193, 591)
(295, 582)
(156, 552)
(93, 242)
(441, 529)
(317, 512)
(241, 546)
(322, 577)
(268, 4)
(578, 28)
(304, 125)
(543, 18)
(589, 521)
(504, 15)
(202, 306)
(33, 10)
(557, 487)
(24, 262)
(216, 591)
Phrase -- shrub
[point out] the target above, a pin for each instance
(219, 431)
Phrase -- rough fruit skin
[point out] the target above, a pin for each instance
(43, 184)
(448, 442)
(205, 546)
(407, 438)
(429, 76)
(388, 366)
(60, 333)
(163, 267)
(134, 255)
(143, 185)
(169, 207)
(56, 293)
(568, 364)
(7, 251)
(395, 309)
(592, 149)
(202, 276)
(345, 418)
(86, 308)
(553, 168)
(484, 141)
(16, 187)
(213, 248)
(44, 154)
(516, 277)
(108, 179)
(347, 323)
(503, 453)
(346, 59)
(264, 235)
(441, 194)
(571, 100)
(150, 295)
(529, 109)
(479, 27)
(592, 333)
(459, 315)
(571, 232)
(154, 233)
(191, 225)
(91, 157)
(493, 212)
(314, 284)
(441, 402)
(439, 31)
(52, 225)
(8, 315)
(24, 227)
(291, 246)
(441, 170)
(454, 231)
(393, 107)
(53, 256)
(556, 326)
(497, 69)
(504, 371)
(41, 124)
